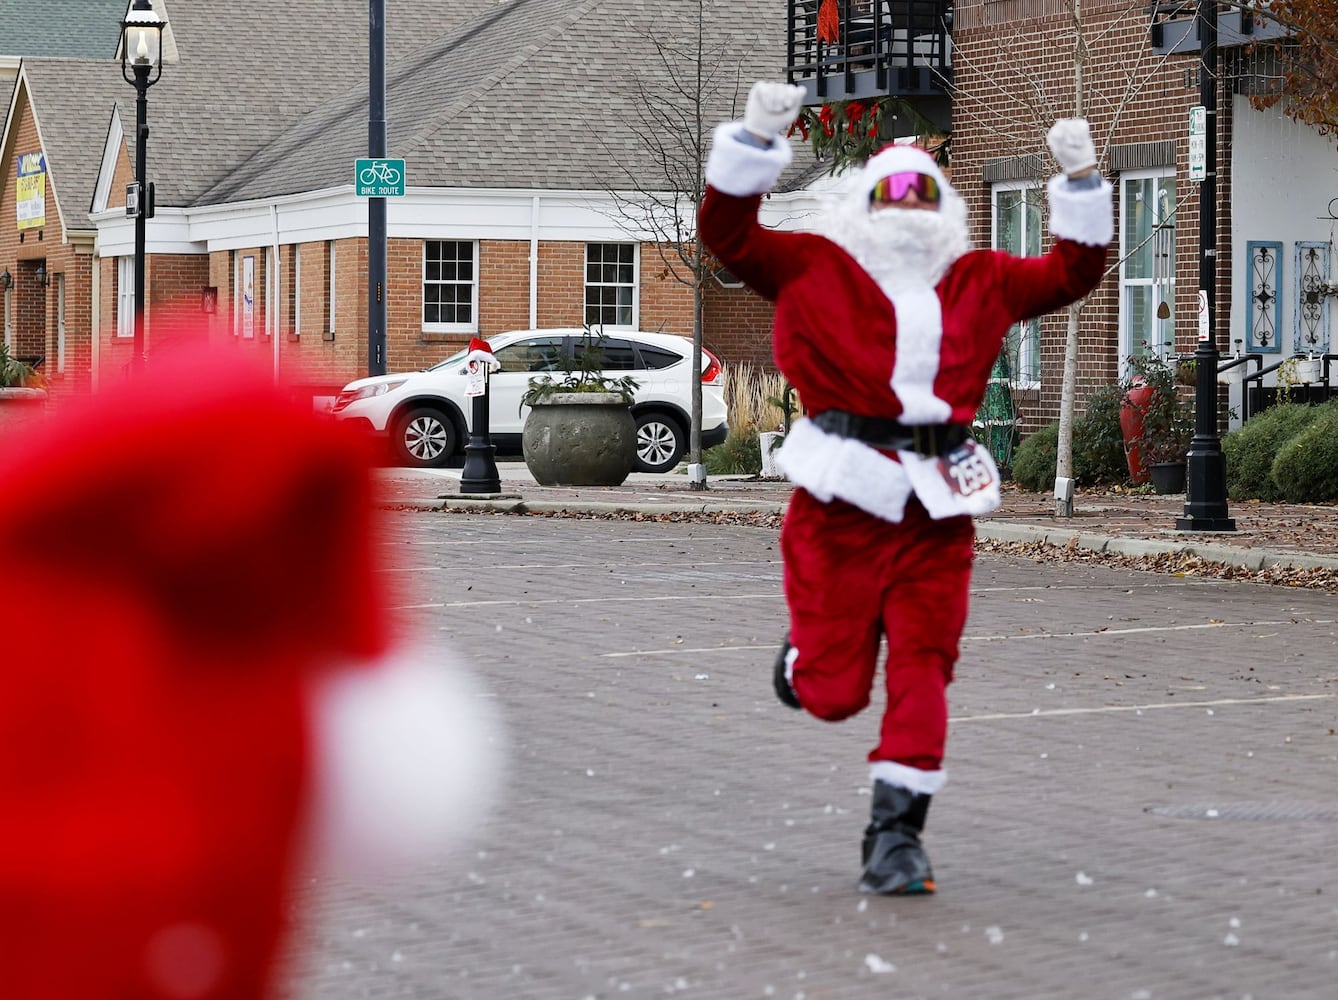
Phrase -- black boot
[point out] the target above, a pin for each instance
(894, 861)
(783, 690)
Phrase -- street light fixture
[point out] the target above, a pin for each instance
(142, 67)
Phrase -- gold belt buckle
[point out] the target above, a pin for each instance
(922, 441)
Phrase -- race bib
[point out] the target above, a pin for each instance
(966, 470)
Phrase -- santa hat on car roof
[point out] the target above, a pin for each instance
(198, 656)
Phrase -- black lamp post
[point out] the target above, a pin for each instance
(1205, 497)
(142, 67)
(480, 475)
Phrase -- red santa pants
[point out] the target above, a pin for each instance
(851, 578)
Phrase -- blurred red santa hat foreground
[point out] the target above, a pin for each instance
(204, 688)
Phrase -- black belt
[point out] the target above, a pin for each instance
(927, 439)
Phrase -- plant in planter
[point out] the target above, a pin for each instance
(580, 430)
(22, 391)
(1158, 420)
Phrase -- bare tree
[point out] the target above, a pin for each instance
(693, 79)
(1018, 104)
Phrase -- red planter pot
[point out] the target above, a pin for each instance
(1132, 407)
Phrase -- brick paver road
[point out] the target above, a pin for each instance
(1143, 798)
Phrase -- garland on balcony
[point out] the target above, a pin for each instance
(846, 133)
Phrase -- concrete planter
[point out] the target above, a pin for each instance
(20, 408)
(580, 439)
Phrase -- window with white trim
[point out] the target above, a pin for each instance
(1147, 263)
(1017, 230)
(125, 296)
(450, 286)
(610, 285)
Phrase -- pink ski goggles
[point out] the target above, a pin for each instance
(894, 188)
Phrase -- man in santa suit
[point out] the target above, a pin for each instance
(888, 325)
(206, 694)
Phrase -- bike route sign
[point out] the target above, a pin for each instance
(378, 178)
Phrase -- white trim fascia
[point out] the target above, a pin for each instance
(111, 151)
(168, 232)
(423, 213)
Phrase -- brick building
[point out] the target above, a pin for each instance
(525, 133)
(1010, 68)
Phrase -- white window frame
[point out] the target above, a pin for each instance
(1129, 344)
(330, 280)
(297, 290)
(634, 286)
(61, 330)
(472, 284)
(125, 297)
(1029, 347)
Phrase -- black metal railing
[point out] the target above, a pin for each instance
(1256, 397)
(883, 47)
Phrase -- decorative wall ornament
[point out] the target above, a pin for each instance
(1264, 312)
(1312, 304)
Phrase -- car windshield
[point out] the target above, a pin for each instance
(454, 359)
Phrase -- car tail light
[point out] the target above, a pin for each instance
(712, 373)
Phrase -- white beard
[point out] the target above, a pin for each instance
(901, 249)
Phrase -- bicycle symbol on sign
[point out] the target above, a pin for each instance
(380, 172)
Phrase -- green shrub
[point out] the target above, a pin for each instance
(1306, 469)
(1034, 459)
(1250, 450)
(1098, 444)
(738, 455)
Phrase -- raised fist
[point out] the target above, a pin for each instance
(1070, 139)
(772, 107)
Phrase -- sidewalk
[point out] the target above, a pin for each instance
(1126, 524)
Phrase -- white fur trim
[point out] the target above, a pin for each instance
(1084, 215)
(919, 334)
(736, 168)
(832, 467)
(910, 778)
(406, 758)
(840, 468)
(941, 501)
(485, 357)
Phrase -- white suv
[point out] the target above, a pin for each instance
(425, 415)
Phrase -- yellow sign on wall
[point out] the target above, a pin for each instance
(30, 203)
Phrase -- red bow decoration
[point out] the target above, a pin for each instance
(854, 112)
(825, 117)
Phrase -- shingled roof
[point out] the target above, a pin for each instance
(533, 94)
(72, 101)
(73, 28)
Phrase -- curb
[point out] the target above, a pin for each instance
(1230, 555)
(994, 530)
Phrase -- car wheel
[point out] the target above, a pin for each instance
(660, 443)
(424, 438)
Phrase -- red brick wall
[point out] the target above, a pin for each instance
(1004, 47)
(34, 307)
(736, 325)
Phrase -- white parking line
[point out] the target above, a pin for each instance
(1157, 706)
(539, 602)
(1142, 630)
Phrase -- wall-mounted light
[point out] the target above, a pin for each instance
(42, 278)
(6, 279)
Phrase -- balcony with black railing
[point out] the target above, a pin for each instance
(866, 49)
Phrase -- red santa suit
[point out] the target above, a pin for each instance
(878, 539)
(205, 693)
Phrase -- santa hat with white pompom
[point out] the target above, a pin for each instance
(205, 694)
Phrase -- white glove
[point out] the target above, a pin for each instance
(772, 107)
(1070, 139)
